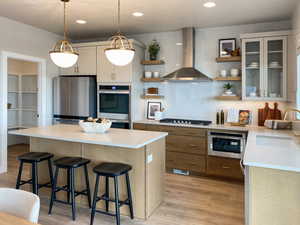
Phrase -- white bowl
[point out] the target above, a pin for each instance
(93, 127)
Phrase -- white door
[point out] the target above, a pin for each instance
(275, 67)
(252, 65)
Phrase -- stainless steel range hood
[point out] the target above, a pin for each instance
(188, 71)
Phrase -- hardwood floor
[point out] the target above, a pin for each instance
(188, 201)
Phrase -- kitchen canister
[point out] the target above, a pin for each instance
(148, 74)
(234, 72)
(223, 73)
(156, 74)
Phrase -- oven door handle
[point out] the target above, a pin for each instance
(226, 137)
(113, 92)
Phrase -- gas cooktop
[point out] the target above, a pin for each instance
(184, 121)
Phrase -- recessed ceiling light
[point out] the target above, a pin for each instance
(81, 21)
(209, 4)
(137, 14)
(179, 43)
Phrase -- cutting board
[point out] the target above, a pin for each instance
(263, 114)
(269, 114)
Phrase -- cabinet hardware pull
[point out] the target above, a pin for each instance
(225, 167)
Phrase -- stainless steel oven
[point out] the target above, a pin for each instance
(226, 144)
(114, 102)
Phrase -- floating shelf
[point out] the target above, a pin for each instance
(229, 98)
(228, 78)
(229, 59)
(152, 96)
(153, 62)
(151, 79)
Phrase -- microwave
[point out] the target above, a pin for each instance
(226, 144)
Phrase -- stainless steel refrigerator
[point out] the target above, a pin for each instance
(74, 98)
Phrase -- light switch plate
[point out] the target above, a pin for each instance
(149, 158)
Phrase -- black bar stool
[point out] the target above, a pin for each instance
(34, 158)
(113, 170)
(70, 163)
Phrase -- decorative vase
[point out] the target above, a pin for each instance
(153, 56)
(228, 92)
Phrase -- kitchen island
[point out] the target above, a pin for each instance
(143, 150)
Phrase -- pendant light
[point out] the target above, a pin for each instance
(121, 52)
(63, 54)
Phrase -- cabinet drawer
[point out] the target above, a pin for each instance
(139, 126)
(224, 167)
(182, 161)
(186, 144)
(184, 131)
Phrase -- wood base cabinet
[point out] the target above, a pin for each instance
(186, 147)
(224, 167)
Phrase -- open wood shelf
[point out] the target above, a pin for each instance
(152, 96)
(153, 62)
(151, 79)
(228, 98)
(228, 78)
(229, 59)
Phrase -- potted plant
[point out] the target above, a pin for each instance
(153, 50)
(227, 88)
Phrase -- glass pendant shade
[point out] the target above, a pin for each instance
(121, 52)
(63, 55)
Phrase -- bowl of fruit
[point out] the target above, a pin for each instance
(98, 125)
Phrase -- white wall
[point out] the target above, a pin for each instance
(24, 39)
(196, 100)
(296, 52)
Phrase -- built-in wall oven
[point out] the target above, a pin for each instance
(114, 104)
(226, 144)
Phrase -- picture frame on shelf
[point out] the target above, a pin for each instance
(226, 46)
(152, 108)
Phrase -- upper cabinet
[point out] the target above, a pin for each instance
(109, 73)
(86, 64)
(264, 65)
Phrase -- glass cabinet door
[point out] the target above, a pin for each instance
(252, 66)
(275, 51)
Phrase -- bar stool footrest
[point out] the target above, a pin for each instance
(104, 198)
(105, 213)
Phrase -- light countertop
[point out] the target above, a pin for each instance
(114, 137)
(267, 148)
(274, 149)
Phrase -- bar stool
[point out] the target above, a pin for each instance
(70, 164)
(34, 158)
(113, 170)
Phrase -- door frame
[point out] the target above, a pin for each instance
(4, 56)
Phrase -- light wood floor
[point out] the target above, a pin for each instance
(188, 201)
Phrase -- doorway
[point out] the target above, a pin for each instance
(22, 98)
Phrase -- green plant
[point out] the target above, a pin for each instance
(228, 86)
(153, 49)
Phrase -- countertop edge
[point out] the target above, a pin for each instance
(163, 135)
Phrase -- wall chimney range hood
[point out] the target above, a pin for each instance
(188, 71)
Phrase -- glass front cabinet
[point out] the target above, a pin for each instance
(264, 68)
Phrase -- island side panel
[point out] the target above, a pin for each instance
(274, 197)
(134, 157)
(59, 149)
(155, 172)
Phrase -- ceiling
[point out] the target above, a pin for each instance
(159, 15)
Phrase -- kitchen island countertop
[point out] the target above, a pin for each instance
(114, 137)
